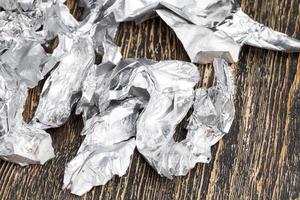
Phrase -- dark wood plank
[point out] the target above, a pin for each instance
(259, 159)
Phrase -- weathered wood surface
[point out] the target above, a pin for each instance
(259, 159)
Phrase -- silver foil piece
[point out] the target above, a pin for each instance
(62, 89)
(211, 119)
(106, 149)
(202, 44)
(245, 30)
(212, 116)
(207, 29)
(159, 89)
(124, 103)
(14, 4)
(205, 13)
(20, 142)
(76, 55)
(22, 61)
(9, 4)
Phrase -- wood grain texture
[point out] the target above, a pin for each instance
(258, 159)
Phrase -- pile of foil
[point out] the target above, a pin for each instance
(125, 103)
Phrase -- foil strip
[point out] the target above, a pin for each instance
(212, 116)
(245, 30)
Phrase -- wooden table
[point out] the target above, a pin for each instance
(258, 159)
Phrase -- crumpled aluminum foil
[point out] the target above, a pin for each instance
(22, 61)
(106, 150)
(212, 117)
(133, 86)
(25, 26)
(207, 29)
(205, 13)
(125, 103)
(147, 101)
(19, 142)
(76, 55)
(56, 102)
(202, 44)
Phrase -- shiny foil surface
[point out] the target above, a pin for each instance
(126, 104)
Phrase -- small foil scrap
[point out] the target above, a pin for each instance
(147, 101)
